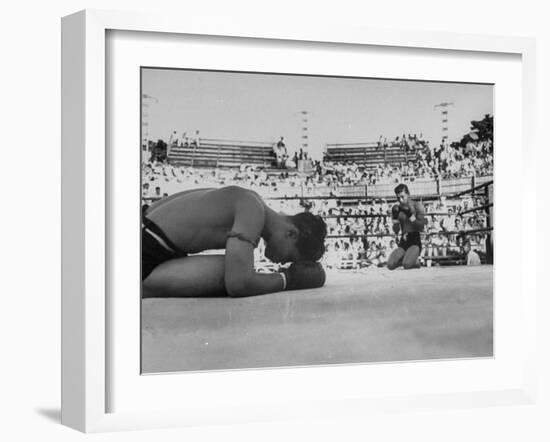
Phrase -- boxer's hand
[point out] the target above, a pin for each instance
(304, 275)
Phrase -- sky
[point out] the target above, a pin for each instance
(264, 107)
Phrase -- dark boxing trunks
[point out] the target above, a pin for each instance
(410, 239)
(156, 248)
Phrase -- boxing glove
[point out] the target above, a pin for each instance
(304, 275)
(406, 210)
(395, 212)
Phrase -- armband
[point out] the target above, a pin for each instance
(242, 237)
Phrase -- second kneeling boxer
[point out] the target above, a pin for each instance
(408, 217)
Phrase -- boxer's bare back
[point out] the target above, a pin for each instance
(199, 219)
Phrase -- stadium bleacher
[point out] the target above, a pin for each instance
(367, 154)
(221, 153)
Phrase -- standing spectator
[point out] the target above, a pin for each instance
(280, 153)
(441, 204)
(448, 223)
(196, 140)
(173, 138)
(281, 145)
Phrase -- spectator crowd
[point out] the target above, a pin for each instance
(447, 161)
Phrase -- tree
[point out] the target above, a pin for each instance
(160, 151)
(481, 130)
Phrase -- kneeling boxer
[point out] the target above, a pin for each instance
(234, 219)
(408, 216)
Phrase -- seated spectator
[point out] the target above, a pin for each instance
(145, 190)
(440, 244)
(472, 258)
(184, 140)
(434, 225)
(290, 163)
(430, 249)
(459, 224)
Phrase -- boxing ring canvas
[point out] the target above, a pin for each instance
(131, 363)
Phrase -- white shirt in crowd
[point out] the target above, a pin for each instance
(472, 259)
(448, 223)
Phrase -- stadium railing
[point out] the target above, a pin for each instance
(420, 188)
(425, 188)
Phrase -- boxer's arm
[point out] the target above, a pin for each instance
(396, 223)
(240, 276)
(396, 227)
(419, 217)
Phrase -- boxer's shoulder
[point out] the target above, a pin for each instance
(417, 205)
(238, 192)
(245, 203)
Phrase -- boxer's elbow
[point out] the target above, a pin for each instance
(419, 225)
(239, 287)
(236, 289)
(238, 292)
(253, 285)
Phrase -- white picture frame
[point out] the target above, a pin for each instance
(85, 202)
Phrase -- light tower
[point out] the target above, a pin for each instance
(304, 115)
(444, 119)
(146, 100)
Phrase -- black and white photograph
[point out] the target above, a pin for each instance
(269, 221)
(299, 220)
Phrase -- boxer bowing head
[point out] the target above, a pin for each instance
(299, 237)
(402, 194)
